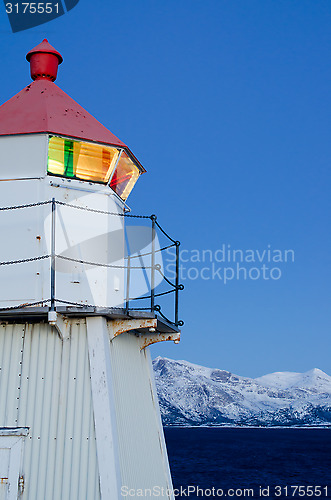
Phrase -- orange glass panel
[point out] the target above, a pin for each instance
(124, 177)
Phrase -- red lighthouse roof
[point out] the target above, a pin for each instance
(42, 107)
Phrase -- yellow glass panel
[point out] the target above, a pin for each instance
(81, 160)
(124, 177)
(56, 156)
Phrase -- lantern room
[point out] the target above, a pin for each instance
(78, 146)
(90, 162)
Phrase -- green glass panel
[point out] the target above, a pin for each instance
(69, 158)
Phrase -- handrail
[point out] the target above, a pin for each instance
(153, 267)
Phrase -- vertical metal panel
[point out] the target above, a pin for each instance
(104, 407)
(143, 461)
(52, 381)
(11, 346)
(90, 236)
(24, 239)
(163, 446)
(23, 156)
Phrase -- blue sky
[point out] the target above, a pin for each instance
(227, 105)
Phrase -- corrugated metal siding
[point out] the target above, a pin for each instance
(143, 459)
(45, 385)
(11, 347)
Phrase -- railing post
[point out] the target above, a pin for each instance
(177, 283)
(53, 256)
(153, 218)
(128, 285)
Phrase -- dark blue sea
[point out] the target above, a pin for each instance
(250, 463)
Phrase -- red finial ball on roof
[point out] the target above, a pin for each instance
(44, 61)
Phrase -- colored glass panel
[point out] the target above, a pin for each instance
(56, 156)
(125, 176)
(81, 160)
(68, 158)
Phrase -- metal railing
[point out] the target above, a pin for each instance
(153, 269)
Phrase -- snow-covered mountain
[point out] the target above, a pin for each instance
(194, 395)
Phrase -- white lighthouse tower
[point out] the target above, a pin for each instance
(79, 416)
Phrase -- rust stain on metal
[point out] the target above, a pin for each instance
(21, 485)
(161, 337)
(124, 325)
(146, 329)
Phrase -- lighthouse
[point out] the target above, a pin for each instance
(79, 305)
